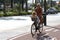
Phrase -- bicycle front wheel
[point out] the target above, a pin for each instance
(33, 29)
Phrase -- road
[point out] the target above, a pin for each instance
(17, 25)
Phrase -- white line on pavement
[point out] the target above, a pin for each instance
(55, 30)
(18, 36)
(49, 29)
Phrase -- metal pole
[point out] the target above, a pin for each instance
(45, 12)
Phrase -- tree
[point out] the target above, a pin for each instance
(4, 8)
(22, 2)
(51, 3)
(12, 3)
(42, 3)
(22, 5)
(26, 6)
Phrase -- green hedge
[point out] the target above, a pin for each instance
(1, 14)
(25, 13)
(14, 13)
(58, 8)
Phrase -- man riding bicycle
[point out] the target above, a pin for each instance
(38, 10)
(37, 16)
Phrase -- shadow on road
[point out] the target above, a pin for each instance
(42, 36)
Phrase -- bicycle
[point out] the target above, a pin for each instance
(36, 26)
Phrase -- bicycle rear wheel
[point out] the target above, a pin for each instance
(33, 29)
(41, 28)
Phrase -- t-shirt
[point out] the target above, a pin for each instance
(39, 11)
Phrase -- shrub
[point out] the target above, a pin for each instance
(25, 13)
(15, 13)
(12, 13)
(1, 14)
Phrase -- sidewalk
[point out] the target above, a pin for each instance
(49, 33)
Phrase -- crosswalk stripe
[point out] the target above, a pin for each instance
(55, 30)
(49, 29)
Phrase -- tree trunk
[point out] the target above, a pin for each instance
(35, 1)
(26, 6)
(4, 8)
(19, 7)
(11, 3)
(51, 3)
(22, 5)
(42, 3)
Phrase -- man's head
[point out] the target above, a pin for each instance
(38, 5)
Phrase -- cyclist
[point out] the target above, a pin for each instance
(38, 10)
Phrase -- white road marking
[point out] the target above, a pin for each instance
(49, 29)
(55, 30)
(18, 36)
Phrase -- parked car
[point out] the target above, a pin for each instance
(52, 10)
